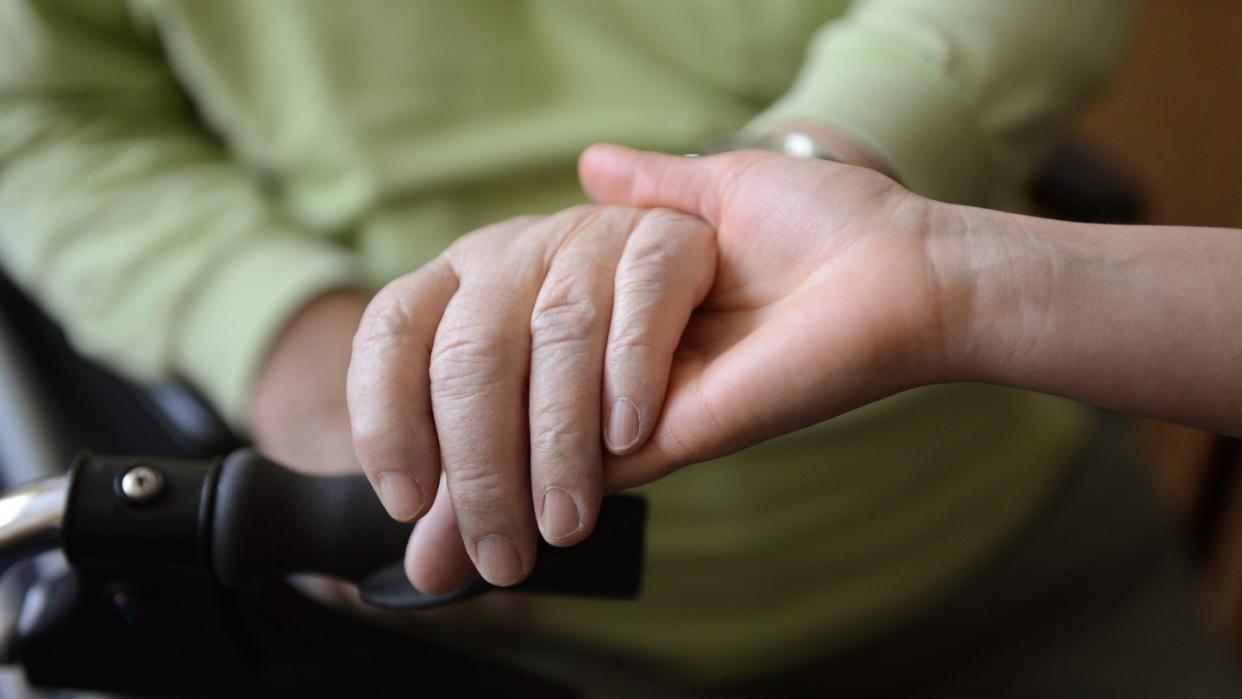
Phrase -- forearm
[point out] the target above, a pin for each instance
(1145, 320)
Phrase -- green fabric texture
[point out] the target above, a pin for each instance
(178, 177)
(962, 98)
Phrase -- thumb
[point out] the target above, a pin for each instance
(618, 175)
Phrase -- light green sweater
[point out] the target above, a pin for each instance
(177, 177)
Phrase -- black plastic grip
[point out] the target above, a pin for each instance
(608, 563)
(269, 522)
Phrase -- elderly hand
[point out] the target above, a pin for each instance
(502, 361)
(811, 292)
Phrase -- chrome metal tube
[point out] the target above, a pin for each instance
(30, 519)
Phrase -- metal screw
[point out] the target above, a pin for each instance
(142, 483)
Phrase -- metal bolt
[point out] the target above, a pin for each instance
(142, 484)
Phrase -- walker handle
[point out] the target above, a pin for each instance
(270, 521)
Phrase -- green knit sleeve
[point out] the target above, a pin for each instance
(156, 251)
(961, 97)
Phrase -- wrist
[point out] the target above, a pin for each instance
(996, 277)
(297, 407)
(959, 252)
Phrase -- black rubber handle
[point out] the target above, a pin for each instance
(608, 563)
(270, 522)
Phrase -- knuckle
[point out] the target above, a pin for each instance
(639, 294)
(385, 320)
(501, 230)
(463, 361)
(598, 220)
(634, 349)
(566, 314)
(647, 275)
(635, 344)
(468, 246)
(651, 261)
(555, 434)
(569, 222)
(476, 488)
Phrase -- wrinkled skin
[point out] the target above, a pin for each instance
(490, 391)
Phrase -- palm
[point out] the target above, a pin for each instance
(821, 277)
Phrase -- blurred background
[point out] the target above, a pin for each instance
(1173, 122)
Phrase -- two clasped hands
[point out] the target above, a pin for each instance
(705, 304)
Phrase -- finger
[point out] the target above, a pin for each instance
(755, 389)
(665, 272)
(568, 328)
(619, 175)
(389, 392)
(710, 407)
(435, 560)
(479, 367)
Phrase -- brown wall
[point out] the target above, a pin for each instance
(1174, 116)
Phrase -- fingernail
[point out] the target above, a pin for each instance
(560, 515)
(622, 430)
(400, 495)
(498, 560)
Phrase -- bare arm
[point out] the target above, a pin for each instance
(607, 346)
(910, 292)
(1144, 320)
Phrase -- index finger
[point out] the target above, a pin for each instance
(389, 390)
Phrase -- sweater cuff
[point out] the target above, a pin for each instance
(225, 333)
(896, 102)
